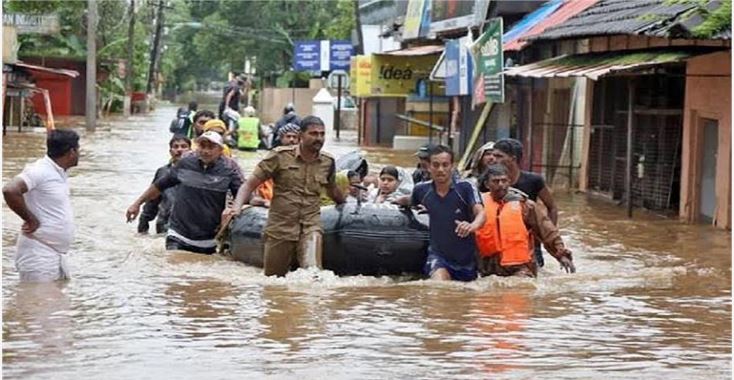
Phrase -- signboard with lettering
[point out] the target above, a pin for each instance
(457, 14)
(361, 71)
(487, 51)
(32, 24)
(307, 56)
(417, 19)
(399, 75)
(323, 55)
(340, 54)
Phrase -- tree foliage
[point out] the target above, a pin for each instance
(717, 21)
(204, 39)
(233, 30)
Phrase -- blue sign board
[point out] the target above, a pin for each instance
(340, 55)
(307, 56)
(458, 68)
(317, 56)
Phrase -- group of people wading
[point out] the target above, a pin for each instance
(486, 223)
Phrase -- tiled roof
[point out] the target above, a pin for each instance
(566, 10)
(663, 18)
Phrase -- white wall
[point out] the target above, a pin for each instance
(373, 43)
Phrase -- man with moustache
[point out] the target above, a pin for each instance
(293, 231)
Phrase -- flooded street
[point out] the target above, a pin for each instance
(651, 299)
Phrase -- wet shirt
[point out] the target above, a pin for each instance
(296, 206)
(531, 184)
(48, 199)
(202, 196)
(458, 205)
(161, 206)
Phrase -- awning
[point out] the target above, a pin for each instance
(415, 51)
(596, 65)
(68, 73)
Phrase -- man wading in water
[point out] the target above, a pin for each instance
(455, 211)
(203, 180)
(161, 206)
(40, 196)
(514, 222)
(263, 195)
(293, 230)
(509, 152)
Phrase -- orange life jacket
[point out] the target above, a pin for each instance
(266, 190)
(504, 233)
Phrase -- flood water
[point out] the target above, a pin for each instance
(651, 299)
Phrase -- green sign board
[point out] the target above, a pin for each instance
(487, 51)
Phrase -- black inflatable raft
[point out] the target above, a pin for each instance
(365, 239)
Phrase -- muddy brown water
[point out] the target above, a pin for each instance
(651, 299)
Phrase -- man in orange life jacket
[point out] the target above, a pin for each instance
(505, 242)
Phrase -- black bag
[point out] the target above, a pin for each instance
(180, 125)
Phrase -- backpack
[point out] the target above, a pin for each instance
(180, 125)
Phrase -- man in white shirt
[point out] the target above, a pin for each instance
(40, 196)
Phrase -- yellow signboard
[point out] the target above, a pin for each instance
(413, 17)
(401, 75)
(360, 75)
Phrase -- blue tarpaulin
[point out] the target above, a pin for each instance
(530, 20)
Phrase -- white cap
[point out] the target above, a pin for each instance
(212, 136)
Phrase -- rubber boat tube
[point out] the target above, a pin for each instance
(366, 239)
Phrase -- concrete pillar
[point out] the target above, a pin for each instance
(324, 109)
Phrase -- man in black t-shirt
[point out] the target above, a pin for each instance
(202, 181)
(231, 95)
(509, 153)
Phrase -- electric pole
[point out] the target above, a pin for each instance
(130, 50)
(91, 104)
(358, 25)
(155, 51)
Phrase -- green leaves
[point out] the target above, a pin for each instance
(717, 21)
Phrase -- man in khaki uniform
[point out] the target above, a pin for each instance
(293, 230)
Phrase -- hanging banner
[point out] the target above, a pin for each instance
(487, 52)
(458, 67)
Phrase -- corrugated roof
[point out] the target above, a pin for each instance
(68, 73)
(568, 9)
(594, 66)
(415, 51)
(610, 17)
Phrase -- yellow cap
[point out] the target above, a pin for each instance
(216, 125)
